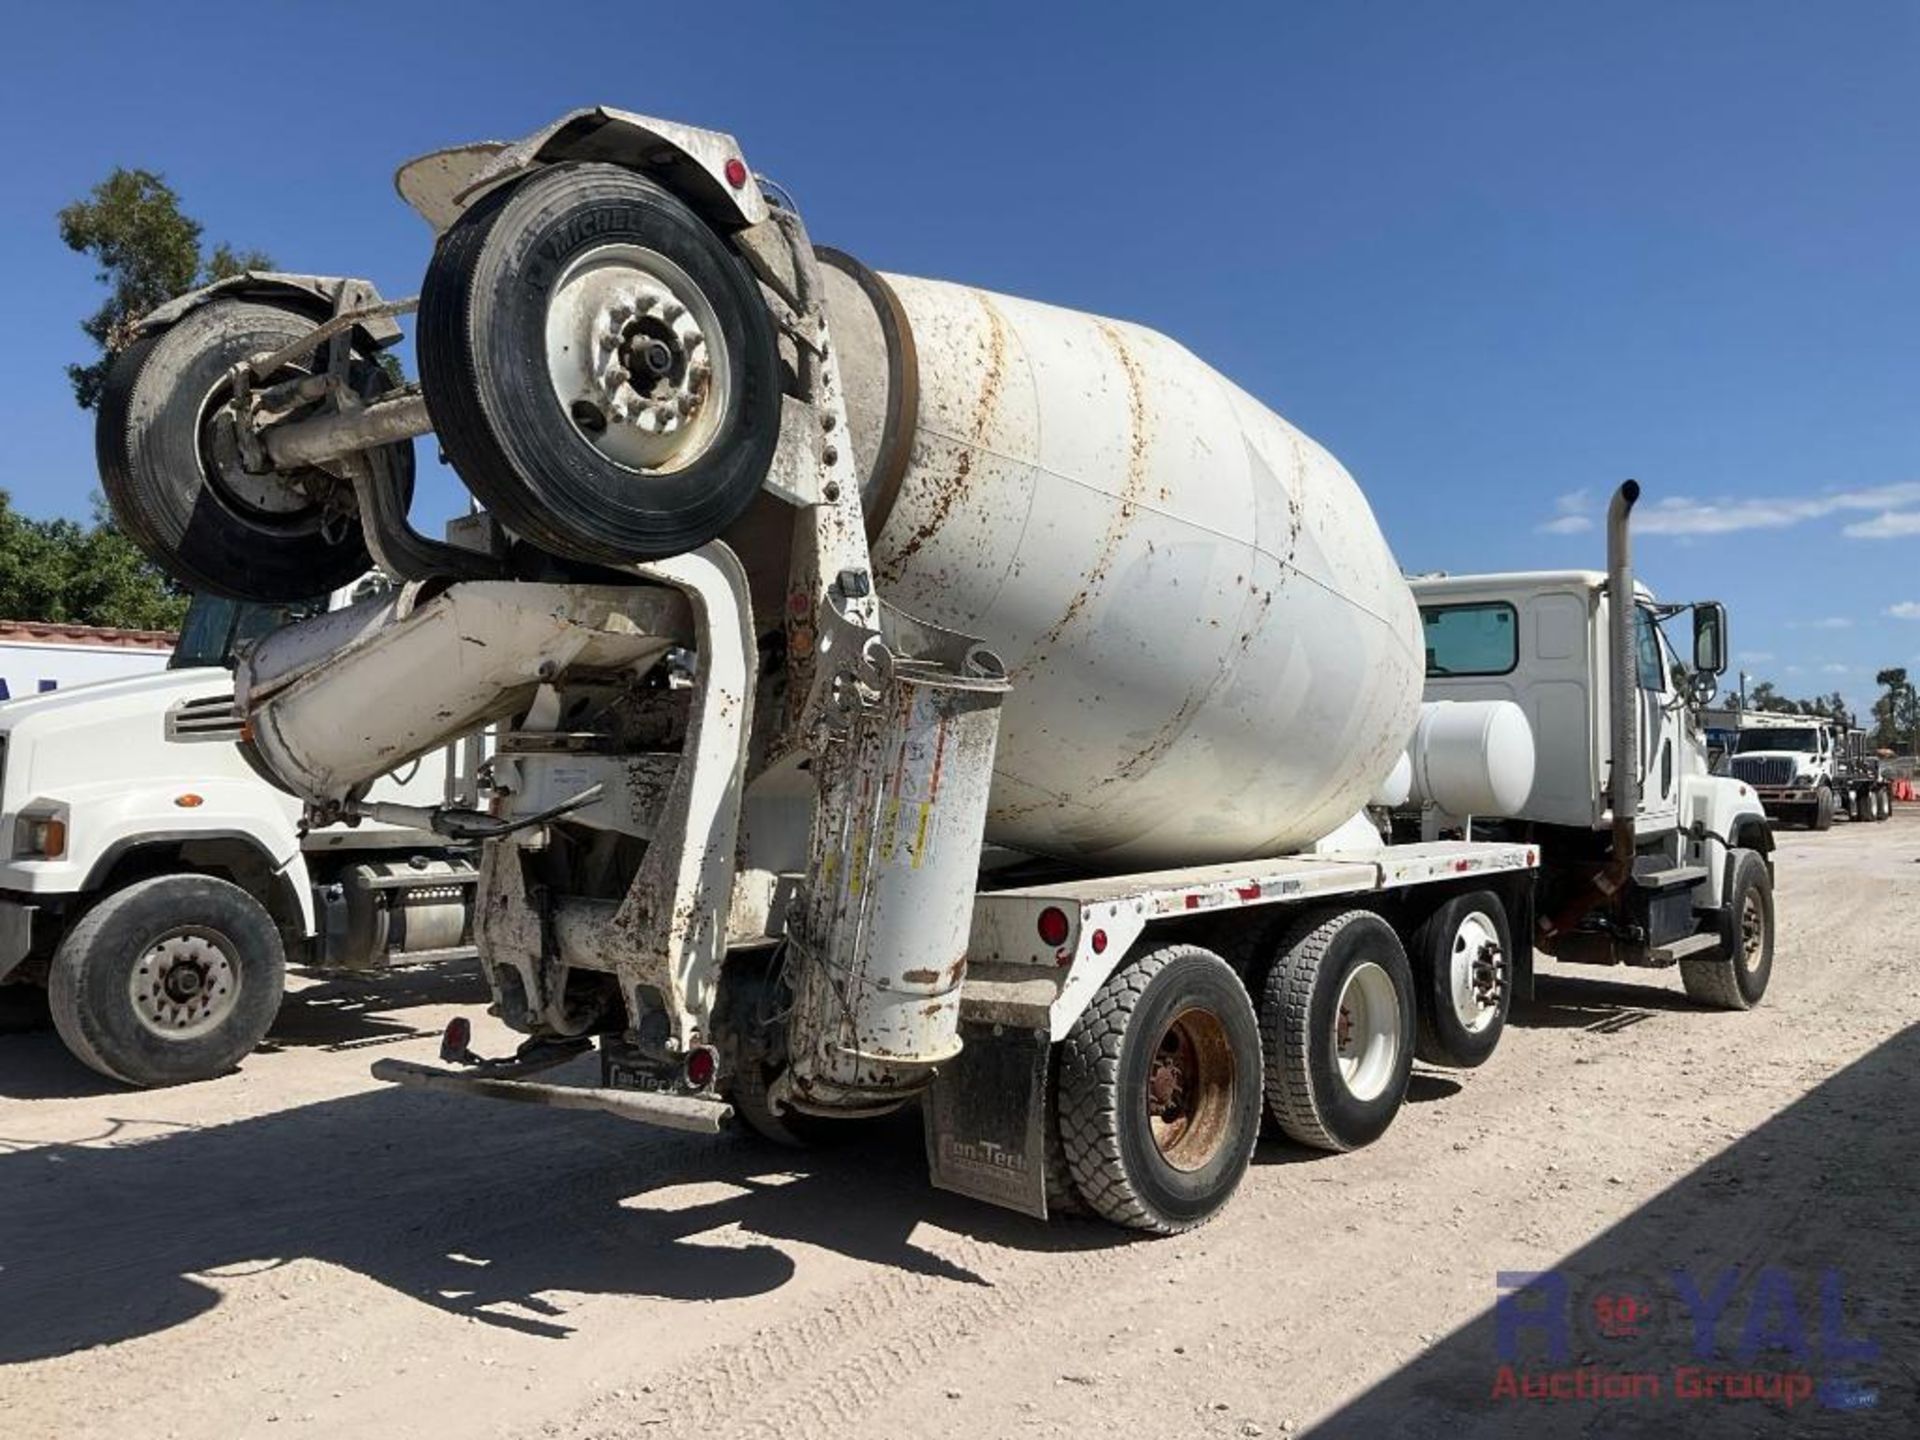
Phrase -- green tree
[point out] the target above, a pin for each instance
(1896, 713)
(147, 251)
(68, 573)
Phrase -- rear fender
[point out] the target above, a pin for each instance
(689, 161)
(314, 294)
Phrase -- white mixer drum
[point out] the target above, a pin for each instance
(1213, 653)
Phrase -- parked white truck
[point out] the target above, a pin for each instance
(905, 693)
(1808, 769)
(157, 885)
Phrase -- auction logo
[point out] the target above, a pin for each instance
(1771, 1336)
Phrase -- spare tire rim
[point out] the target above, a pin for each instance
(1189, 1089)
(1366, 1031)
(186, 983)
(1753, 931)
(1474, 973)
(637, 358)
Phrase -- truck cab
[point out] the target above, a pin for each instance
(129, 812)
(1656, 889)
(1808, 769)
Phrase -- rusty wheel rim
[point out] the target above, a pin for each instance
(1189, 1089)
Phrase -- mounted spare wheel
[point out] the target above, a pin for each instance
(174, 472)
(599, 365)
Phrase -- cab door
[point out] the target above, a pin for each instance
(1661, 716)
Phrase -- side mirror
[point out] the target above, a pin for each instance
(1710, 638)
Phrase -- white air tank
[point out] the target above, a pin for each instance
(1213, 653)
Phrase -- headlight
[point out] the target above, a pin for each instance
(1803, 779)
(40, 837)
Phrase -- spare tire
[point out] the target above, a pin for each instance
(173, 474)
(600, 367)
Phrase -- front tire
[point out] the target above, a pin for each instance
(1160, 1091)
(1737, 977)
(1823, 810)
(174, 978)
(600, 367)
(1337, 1022)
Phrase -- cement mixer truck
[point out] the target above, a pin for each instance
(902, 694)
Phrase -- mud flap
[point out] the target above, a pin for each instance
(986, 1119)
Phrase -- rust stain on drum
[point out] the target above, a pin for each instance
(1139, 440)
(950, 490)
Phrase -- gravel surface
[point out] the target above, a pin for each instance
(295, 1250)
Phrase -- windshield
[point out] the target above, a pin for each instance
(217, 628)
(1805, 741)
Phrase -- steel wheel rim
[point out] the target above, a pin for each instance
(1753, 931)
(1189, 1090)
(1474, 973)
(186, 983)
(610, 310)
(1366, 1031)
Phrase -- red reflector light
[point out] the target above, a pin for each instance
(700, 1067)
(1099, 942)
(736, 172)
(458, 1038)
(1054, 925)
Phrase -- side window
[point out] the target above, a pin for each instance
(1646, 639)
(1480, 639)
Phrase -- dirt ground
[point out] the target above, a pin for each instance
(297, 1251)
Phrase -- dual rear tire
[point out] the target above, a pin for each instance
(1167, 1077)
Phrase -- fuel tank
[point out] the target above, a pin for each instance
(1212, 650)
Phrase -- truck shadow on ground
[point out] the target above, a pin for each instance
(491, 1211)
(1578, 1003)
(331, 1012)
(348, 1011)
(1824, 1186)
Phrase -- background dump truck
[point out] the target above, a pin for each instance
(157, 885)
(907, 693)
(1808, 769)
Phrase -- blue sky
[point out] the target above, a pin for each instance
(1495, 256)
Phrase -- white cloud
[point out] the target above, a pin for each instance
(1571, 514)
(1887, 525)
(1905, 610)
(1682, 515)
(1755, 657)
(1830, 622)
(1835, 668)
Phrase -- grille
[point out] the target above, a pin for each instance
(214, 718)
(1763, 769)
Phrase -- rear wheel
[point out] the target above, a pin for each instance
(1882, 804)
(1159, 1098)
(1463, 967)
(1736, 978)
(599, 365)
(173, 472)
(172, 979)
(1336, 1022)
